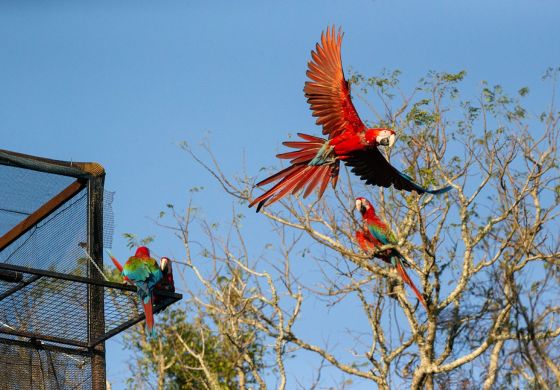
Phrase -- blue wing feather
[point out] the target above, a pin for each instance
(421, 189)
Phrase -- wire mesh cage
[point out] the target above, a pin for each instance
(56, 308)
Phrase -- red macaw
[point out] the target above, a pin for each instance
(143, 272)
(318, 160)
(376, 233)
(166, 283)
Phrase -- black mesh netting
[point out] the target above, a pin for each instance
(25, 367)
(55, 310)
(56, 243)
(54, 305)
(22, 194)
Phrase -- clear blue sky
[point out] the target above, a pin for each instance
(122, 83)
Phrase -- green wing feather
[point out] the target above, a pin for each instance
(384, 236)
(144, 273)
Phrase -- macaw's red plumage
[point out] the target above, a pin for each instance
(317, 160)
(374, 234)
(143, 272)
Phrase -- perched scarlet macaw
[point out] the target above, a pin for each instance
(166, 283)
(376, 233)
(318, 160)
(143, 272)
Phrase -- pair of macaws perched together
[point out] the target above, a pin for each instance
(316, 162)
(147, 275)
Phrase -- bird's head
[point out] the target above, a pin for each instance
(165, 265)
(364, 206)
(383, 137)
(142, 252)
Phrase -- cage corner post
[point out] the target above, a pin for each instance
(96, 306)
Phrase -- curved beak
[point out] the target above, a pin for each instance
(358, 204)
(165, 264)
(391, 140)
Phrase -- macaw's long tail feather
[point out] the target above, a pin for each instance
(117, 264)
(149, 312)
(404, 275)
(313, 165)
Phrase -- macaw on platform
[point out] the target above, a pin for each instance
(143, 272)
(166, 283)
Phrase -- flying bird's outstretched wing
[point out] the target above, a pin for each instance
(372, 167)
(328, 92)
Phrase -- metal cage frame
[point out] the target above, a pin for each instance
(88, 176)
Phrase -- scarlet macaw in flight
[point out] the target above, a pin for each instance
(376, 233)
(143, 272)
(318, 160)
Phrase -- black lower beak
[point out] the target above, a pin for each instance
(384, 142)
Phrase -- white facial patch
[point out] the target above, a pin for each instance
(385, 138)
